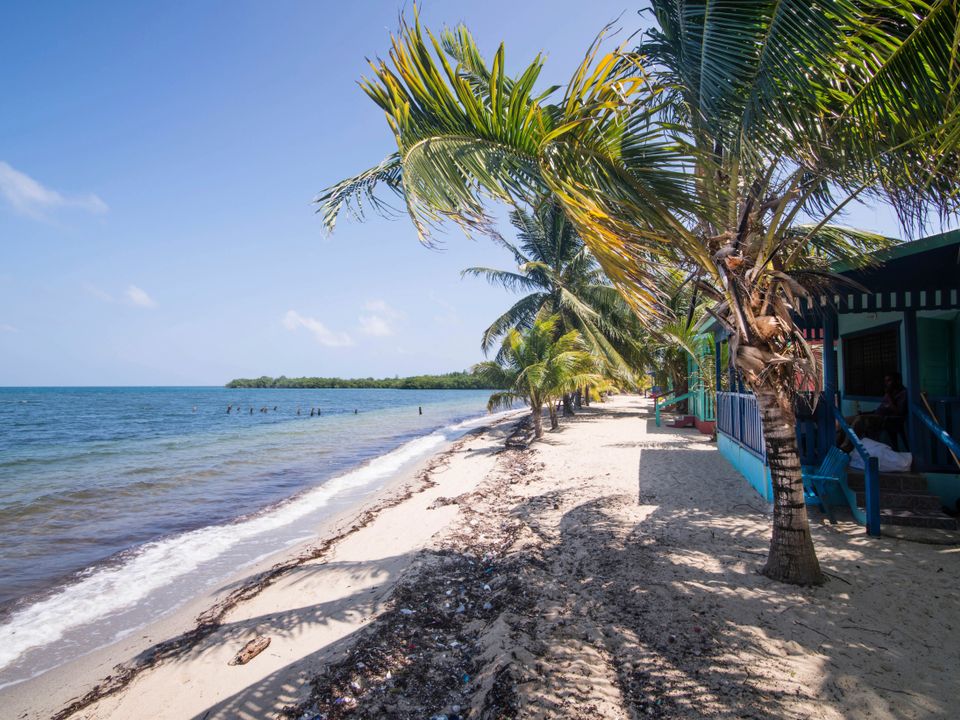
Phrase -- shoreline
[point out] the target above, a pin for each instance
(108, 669)
(609, 570)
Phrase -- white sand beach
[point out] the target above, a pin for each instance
(554, 582)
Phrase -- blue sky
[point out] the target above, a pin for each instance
(157, 163)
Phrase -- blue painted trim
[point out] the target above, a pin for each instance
(938, 432)
(871, 476)
(747, 464)
(760, 456)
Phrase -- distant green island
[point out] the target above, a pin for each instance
(447, 381)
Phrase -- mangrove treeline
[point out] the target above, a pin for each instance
(447, 381)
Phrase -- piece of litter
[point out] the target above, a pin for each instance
(487, 588)
(407, 611)
(460, 608)
(487, 606)
(251, 650)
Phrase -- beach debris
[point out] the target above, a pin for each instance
(407, 611)
(251, 650)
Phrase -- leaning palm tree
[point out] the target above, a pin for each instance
(727, 143)
(560, 277)
(537, 367)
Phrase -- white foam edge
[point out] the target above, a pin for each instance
(104, 591)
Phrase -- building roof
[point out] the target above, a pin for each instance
(931, 242)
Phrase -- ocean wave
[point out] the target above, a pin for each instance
(102, 591)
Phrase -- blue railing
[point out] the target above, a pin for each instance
(871, 475)
(939, 433)
(670, 401)
(816, 429)
(738, 417)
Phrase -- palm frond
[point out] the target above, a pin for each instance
(515, 282)
(360, 191)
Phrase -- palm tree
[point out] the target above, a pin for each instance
(728, 143)
(562, 278)
(537, 367)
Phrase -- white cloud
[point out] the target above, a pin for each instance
(28, 196)
(323, 335)
(380, 324)
(139, 297)
(4, 327)
(375, 325)
(96, 292)
(381, 307)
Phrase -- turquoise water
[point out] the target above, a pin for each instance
(116, 502)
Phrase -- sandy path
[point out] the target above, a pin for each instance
(559, 583)
(620, 596)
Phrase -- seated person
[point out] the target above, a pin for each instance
(889, 415)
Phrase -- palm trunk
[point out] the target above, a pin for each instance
(578, 399)
(567, 404)
(586, 396)
(792, 557)
(554, 422)
(536, 413)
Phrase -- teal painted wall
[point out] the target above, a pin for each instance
(938, 333)
(700, 372)
(748, 465)
(937, 362)
(847, 324)
(947, 487)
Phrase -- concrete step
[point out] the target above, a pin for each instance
(927, 519)
(918, 502)
(891, 482)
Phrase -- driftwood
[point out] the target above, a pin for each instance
(251, 650)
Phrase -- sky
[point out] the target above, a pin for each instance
(157, 166)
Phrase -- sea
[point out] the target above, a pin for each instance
(118, 505)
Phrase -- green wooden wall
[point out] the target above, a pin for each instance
(938, 342)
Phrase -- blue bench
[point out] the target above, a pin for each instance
(830, 472)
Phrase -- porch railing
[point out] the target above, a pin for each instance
(738, 417)
(671, 400)
(943, 453)
(871, 475)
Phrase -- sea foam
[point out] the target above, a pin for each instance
(102, 591)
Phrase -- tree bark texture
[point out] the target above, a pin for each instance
(554, 421)
(792, 557)
(536, 413)
(567, 404)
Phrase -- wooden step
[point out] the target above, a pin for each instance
(891, 482)
(927, 519)
(918, 502)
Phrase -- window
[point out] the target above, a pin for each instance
(867, 357)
